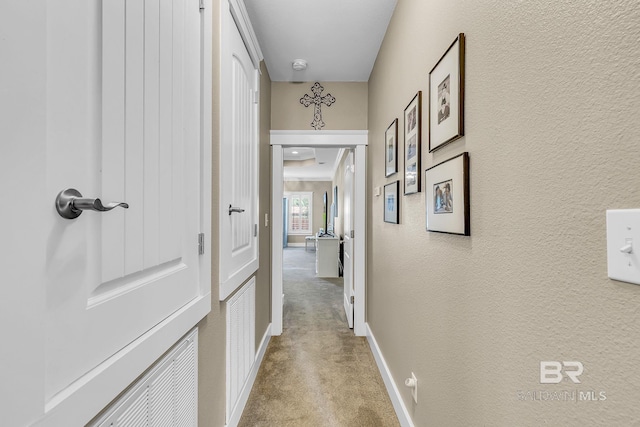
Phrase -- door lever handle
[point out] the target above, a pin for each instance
(235, 210)
(70, 204)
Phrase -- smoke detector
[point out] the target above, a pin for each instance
(299, 64)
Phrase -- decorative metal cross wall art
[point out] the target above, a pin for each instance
(317, 99)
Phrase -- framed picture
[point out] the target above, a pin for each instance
(446, 96)
(391, 149)
(391, 202)
(447, 196)
(412, 144)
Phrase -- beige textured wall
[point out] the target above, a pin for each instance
(212, 329)
(317, 188)
(263, 277)
(348, 112)
(552, 103)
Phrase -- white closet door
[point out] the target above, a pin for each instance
(123, 125)
(238, 161)
(103, 96)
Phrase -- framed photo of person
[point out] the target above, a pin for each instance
(447, 196)
(391, 203)
(446, 96)
(412, 144)
(391, 149)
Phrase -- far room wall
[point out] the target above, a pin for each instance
(317, 188)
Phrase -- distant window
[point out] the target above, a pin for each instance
(300, 213)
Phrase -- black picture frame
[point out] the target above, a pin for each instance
(447, 196)
(391, 149)
(412, 144)
(446, 96)
(391, 202)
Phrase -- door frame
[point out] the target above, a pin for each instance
(358, 141)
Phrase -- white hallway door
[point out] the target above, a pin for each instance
(349, 291)
(238, 160)
(120, 122)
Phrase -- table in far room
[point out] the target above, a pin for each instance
(308, 239)
(327, 254)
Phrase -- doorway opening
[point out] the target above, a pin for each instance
(348, 221)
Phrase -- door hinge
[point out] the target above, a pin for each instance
(201, 4)
(256, 97)
(201, 243)
(353, 234)
(255, 230)
(352, 299)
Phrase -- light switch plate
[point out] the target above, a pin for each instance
(414, 390)
(623, 245)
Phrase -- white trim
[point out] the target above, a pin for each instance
(394, 394)
(295, 245)
(234, 419)
(277, 236)
(320, 132)
(206, 158)
(318, 179)
(82, 400)
(357, 139)
(359, 242)
(324, 138)
(241, 17)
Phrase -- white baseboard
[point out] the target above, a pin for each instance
(297, 245)
(398, 404)
(234, 419)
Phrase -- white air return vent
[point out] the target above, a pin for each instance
(165, 396)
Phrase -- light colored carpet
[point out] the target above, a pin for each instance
(317, 373)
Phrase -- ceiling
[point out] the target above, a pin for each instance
(310, 164)
(339, 39)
